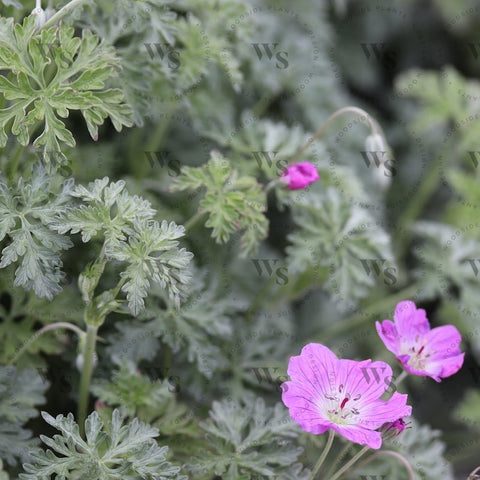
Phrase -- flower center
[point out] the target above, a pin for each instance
(418, 355)
(337, 409)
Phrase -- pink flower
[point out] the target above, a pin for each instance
(344, 395)
(434, 353)
(299, 175)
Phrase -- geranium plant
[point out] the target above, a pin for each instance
(207, 208)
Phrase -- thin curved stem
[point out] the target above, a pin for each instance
(323, 456)
(473, 475)
(391, 453)
(189, 224)
(62, 12)
(52, 326)
(351, 462)
(375, 127)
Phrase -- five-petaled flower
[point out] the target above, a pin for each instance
(330, 393)
(434, 353)
(299, 175)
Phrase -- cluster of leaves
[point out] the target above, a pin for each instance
(28, 211)
(51, 73)
(131, 236)
(165, 48)
(248, 440)
(116, 449)
(233, 202)
(332, 246)
(20, 392)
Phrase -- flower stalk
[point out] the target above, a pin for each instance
(87, 369)
(374, 126)
(323, 456)
(350, 463)
(62, 12)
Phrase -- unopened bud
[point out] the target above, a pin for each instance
(40, 17)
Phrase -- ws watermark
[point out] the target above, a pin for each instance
(271, 52)
(165, 160)
(267, 267)
(381, 269)
(165, 53)
(268, 159)
(382, 53)
(270, 376)
(380, 159)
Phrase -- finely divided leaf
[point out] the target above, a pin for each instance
(124, 451)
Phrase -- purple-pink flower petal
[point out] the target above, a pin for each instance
(434, 353)
(344, 395)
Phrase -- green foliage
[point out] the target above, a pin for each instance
(187, 71)
(152, 401)
(150, 250)
(443, 95)
(443, 258)
(246, 440)
(20, 391)
(153, 256)
(198, 330)
(53, 72)
(332, 238)
(3, 474)
(107, 209)
(131, 391)
(468, 410)
(28, 212)
(126, 450)
(23, 313)
(232, 202)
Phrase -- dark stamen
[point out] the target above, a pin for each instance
(421, 349)
(344, 401)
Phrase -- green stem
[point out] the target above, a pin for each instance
(416, 204)
(88, 358)
(375, 127)
(411, 473)
(340, 457)
(47, 328)
(323, 456)
(157, 135)
(351, 462)
(359, 318)
(62, 12)
(193, 221)
(400, 378)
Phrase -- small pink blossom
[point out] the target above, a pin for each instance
(434, 353)
(344, 395)
(299, 175)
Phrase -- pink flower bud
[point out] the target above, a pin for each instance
(398, 425)
(299, 175)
